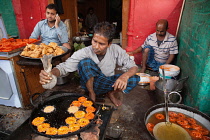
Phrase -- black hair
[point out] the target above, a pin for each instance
(105, 29)
(52, 6)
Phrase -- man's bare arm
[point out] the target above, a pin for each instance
(121, 82)
(170, 59)
(138, 50)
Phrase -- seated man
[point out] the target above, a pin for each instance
(96, 65)
(52, 29)
(159, 48)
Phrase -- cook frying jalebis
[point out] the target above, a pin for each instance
(38, 120)
(82, 99)
(172, 114)
(89, 116)
(76, 103)
(83, 122)
(150, 126)
(90, 109)
(87, 103)
(70, 120)
(74, 127)
(159, 116)
(63, 130)
(79, 114)
(43, 127)
(51, 131)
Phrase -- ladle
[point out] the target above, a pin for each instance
(167, 130)
(165, 96)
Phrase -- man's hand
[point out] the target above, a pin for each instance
(121, 83)
(44, 77)
(57, 21)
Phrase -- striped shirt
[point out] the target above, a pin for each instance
(167, 47)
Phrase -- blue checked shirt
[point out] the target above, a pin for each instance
(58, 35)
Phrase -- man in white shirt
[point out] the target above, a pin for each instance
(159, 48)
(96, 65)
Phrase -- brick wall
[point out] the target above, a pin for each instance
(194, 54)
(7, 12)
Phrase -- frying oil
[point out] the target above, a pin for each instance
(170, 131)
(178, 136)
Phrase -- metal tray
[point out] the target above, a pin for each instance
(63, 48)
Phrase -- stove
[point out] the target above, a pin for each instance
(25, 132)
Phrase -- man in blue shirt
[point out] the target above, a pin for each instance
(52, 29)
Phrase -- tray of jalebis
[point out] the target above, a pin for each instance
(63, 115)
(7, 45)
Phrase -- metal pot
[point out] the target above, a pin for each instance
(62, 79)
(61, 102)
(171, 85)
(189, 111)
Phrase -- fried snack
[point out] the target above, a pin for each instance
(87, 103)
(181, 121)
(204, 131)
(172, 119)
(53, 45)
(172, 114)
(59, 51)
(82, 99)
(180, 115)
(89, 116)
(51, 131)
(38, 120)
(38, 51)
(76, 103)
(197, 127)
(74, 127)
(63, 130)
(191, 121)
(70, 120)
(83, 122)
(150, 126)
(73, 109)
(196, 134)
(90, 109)
(79, 114)
(159, 116)
(49, 109)
(43, 127)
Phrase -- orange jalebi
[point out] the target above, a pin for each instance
(43, 127)
(63, 130)
(83, 122)
(79, 114)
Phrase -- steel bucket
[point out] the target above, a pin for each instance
(171, 85)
